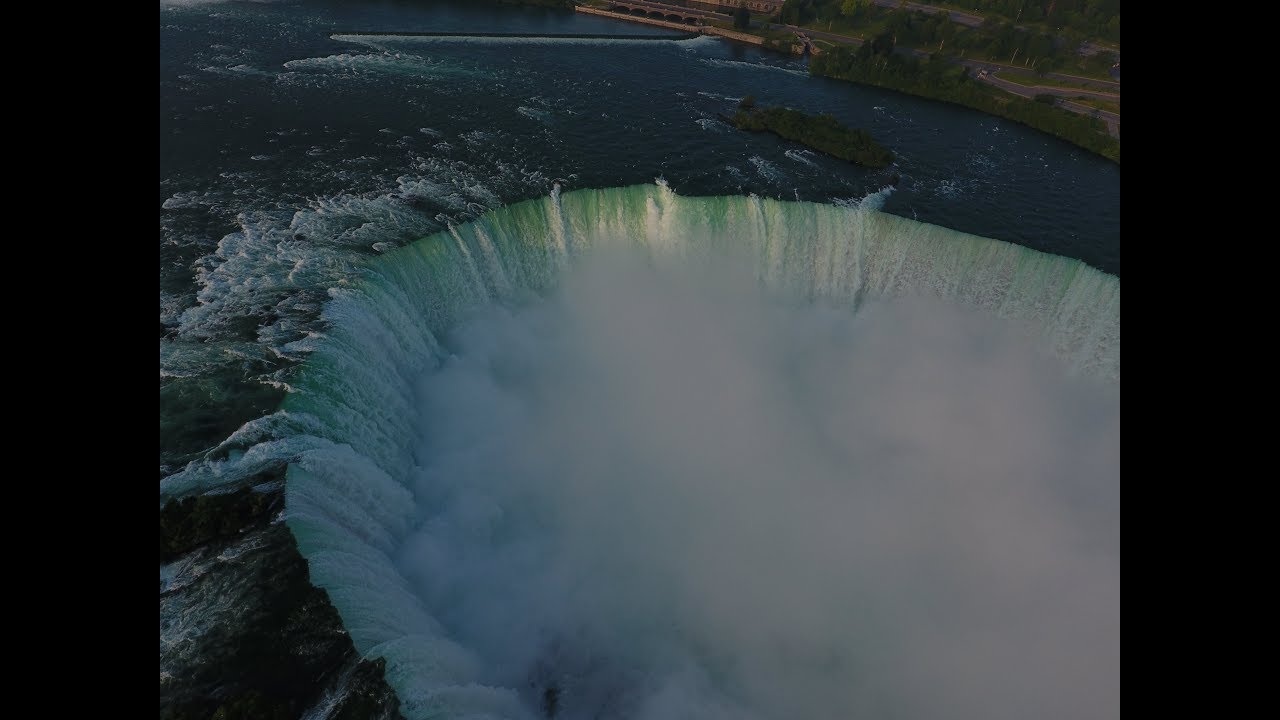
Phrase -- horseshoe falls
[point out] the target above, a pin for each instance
(577, 402)
(627, 453)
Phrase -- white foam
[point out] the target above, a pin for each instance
(767, 169)
(348, 65)
(802, 156)
(717, 96)
(541, 116)
(739, 64)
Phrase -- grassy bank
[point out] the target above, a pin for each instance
(1035, 48)
(939, 80)
(1096, 103)
(1030, 80)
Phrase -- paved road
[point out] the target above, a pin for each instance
(976, 64)
(833, 37)
(1071, 92)
(996, 66)
(1087, 81)
(1086, 48)
(1111, 119)
(960, 17)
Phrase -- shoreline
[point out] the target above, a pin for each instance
(694, 30)
(1110, 120)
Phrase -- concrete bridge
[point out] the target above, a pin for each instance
(670, 13)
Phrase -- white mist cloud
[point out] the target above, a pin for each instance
(671, 496)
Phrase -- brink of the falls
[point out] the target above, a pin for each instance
(670, 560)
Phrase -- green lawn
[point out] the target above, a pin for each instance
(1067, 69)
(1031, 80)
(1100, 104)
(860, 28)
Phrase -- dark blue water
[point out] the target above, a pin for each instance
(289, 155)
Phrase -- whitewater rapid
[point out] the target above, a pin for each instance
(353, 425)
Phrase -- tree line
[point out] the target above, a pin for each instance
(875, 63)
(1006, 40)
(1094, 18)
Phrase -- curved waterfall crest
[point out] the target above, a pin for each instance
(349, 495)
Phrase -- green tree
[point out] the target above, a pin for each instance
(1039, 47)
(1112, 30)
(742, 17)
(796, 12)
(942, 81)
(882, 44)
(946, 31)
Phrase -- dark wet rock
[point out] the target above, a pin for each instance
(244, 633)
